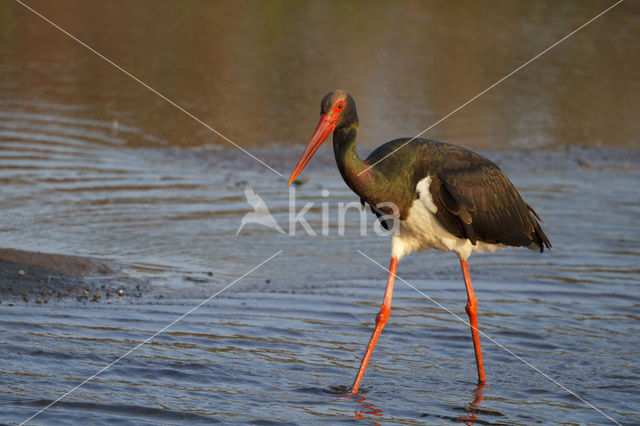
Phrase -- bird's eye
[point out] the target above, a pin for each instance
(339, 106)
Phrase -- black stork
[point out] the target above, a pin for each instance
(447, 197)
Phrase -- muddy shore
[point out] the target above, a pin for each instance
(35, 277)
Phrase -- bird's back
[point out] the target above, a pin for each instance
(473, 197)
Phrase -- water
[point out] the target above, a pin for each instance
(93, 165)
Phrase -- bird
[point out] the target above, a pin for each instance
(261, 214)
(433, 195)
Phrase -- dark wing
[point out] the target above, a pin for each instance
(479, 202)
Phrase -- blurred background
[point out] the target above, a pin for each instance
(256, 71)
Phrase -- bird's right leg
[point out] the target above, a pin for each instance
(381, 320)
(472, 311)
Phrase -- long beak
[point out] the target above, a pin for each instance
(325, 127)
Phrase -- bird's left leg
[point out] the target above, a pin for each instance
(472, 311)
(381, 320)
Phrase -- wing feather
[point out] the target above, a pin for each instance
(480, 203)
(473, 197)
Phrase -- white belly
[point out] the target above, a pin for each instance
(422, 230)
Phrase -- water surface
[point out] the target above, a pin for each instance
(92, 164)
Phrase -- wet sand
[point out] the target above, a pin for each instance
(35, 277)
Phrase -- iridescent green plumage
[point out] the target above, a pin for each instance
(474, 198)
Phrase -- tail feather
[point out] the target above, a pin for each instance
(542, 238)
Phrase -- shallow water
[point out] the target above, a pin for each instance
(283, 343)
(111, 172)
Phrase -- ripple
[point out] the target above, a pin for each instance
(291, 334)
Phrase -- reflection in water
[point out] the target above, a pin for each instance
(367, 408)
(473, 408)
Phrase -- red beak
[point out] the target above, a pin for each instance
(325, 127)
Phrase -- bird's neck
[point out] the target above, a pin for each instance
(354, 171)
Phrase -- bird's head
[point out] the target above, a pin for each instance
(339, 108)
(337, 111)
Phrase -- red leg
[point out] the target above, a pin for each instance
(381, 320)
(472, 311)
